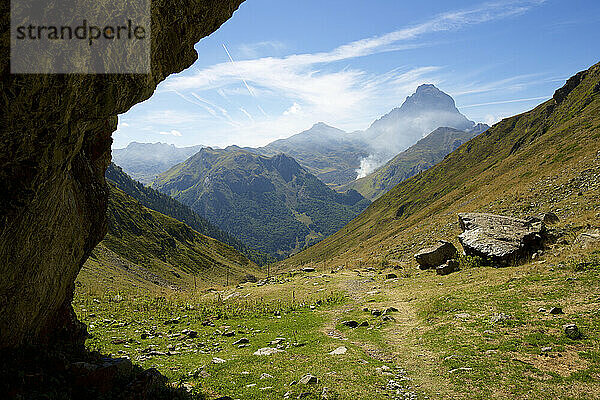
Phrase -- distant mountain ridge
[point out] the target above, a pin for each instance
(144, 161)
(338, 158)
(271, 203)
(421, 156)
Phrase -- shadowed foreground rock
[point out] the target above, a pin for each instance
(502, 240)
(55, 140)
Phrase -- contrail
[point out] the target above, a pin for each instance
(243, 80)
(507, 101)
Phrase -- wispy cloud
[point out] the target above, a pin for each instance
(321, 85)
(491, 103)
(172, 132)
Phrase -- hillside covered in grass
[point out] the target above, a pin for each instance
(543, 160)
(157, 201)
(146, 250)
(421, 156)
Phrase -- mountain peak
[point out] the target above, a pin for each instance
(429, 97)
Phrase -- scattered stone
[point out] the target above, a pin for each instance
(308, 379)
(462, 316)
(172, 321)
(350, 324)
(542, 310)
(339, 351)
(189, 333)
(308, 269)
(500, 239)
(572, 331)
(556, 311)
(375, 313)
(586, 240)
(241, 341)
(364, 323)
(390, 310)
(388, 318)
(499, 317)
(267, 351)
(391, 276)
(549, 218)
(452, 371)
(217, 360)
(250, 385)
(266, 376)
(546, 349)
(228, 333)
(449, 267)
(366, 309)
(436, 255)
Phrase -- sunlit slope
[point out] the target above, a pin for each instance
(157, 251)
(545, 159)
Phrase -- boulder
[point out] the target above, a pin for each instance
(500, 239)
(436, 255)
(449, 267)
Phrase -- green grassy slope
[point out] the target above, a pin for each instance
(545, 159)
(154, 251)
(423, 155)
(157, 201)
(270, 203)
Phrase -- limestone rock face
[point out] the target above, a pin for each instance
(55, 138)
(499, 238)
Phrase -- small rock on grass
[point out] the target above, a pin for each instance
(556, 311)
(267, 351)
(308, 379)
(572, 331)
(339, 351)
(241, 341)
(350, 324)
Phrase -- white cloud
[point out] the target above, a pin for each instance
(294, 109)
(173, 132)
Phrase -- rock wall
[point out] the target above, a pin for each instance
(55, 139)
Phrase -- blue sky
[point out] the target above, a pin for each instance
(293, 63)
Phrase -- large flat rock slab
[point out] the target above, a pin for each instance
(501, 239)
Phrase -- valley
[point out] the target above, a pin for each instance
(353, 316)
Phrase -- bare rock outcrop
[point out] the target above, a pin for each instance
(55, 139)
(500, 239)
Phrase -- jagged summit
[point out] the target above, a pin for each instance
(428, 97)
